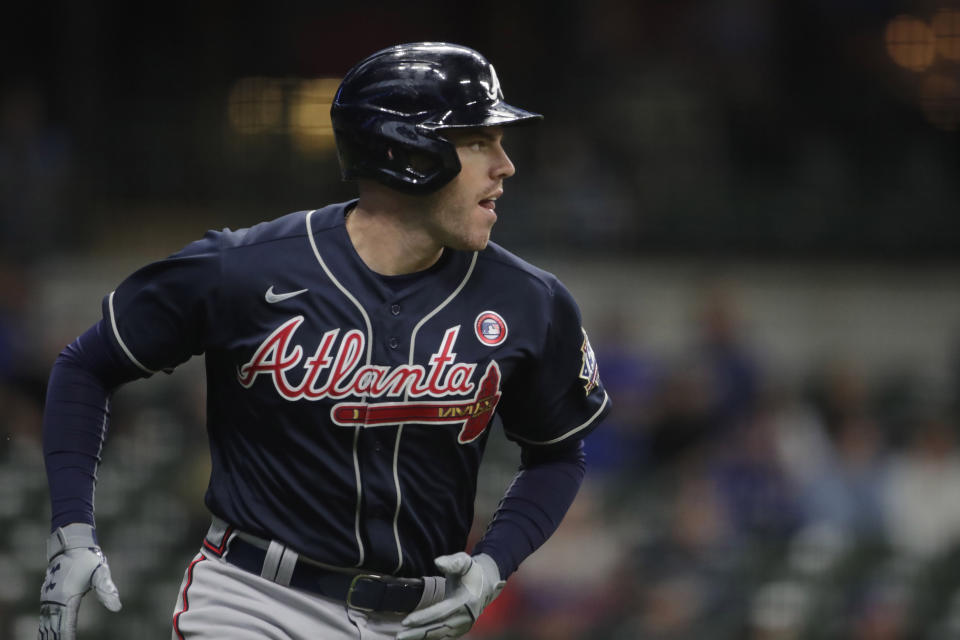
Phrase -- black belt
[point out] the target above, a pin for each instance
(362, 591)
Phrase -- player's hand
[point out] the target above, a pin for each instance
(472, 584)
(75, 565)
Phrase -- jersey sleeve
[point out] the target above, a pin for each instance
(165, 312)
(557, 395)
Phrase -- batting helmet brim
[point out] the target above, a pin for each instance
(492, 115)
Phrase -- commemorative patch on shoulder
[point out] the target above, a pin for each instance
(589, 372)
(491, 329)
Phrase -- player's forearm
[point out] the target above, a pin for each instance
(75, 423)
(532, 508)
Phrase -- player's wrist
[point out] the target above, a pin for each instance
(76, 535)
(492, 583)
(504, 567)
(489, 565)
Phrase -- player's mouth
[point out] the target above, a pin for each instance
(490, 202)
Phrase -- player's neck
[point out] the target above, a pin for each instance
(391, 241)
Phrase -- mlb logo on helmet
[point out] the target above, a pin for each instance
(490, 328)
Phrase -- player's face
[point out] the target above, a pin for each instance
(464, 214)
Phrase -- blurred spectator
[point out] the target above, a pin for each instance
(715, 389)
(838, 469)
(731, 366)
(756, 490)
(839, 392)
(846, 491)
(920, 496)
(803, 444)
(681, 420)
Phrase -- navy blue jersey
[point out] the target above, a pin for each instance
(347, 414)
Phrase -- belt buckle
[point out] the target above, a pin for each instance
(353, 583)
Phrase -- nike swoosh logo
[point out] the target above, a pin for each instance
(272, 297)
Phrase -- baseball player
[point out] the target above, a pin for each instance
(355, 358)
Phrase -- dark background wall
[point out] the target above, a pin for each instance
(730, 126)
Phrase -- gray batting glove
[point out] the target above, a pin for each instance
(472, 584)
(75, 565)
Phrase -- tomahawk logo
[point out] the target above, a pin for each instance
(340, 375)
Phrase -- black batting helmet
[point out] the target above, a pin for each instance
(390, 109)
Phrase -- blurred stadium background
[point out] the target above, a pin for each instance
(756, 204)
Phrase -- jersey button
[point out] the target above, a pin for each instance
(395, 309)
(394, 342)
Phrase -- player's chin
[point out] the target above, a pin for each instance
(476, 240)
(482, 244)
(478, 235)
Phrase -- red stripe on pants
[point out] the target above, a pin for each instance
(186, 604)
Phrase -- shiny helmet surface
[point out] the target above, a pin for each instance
(391, 109)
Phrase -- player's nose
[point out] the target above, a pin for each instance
(502, 166)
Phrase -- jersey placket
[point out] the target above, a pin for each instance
(378, 444)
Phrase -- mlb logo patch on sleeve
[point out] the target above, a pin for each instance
(589, 372)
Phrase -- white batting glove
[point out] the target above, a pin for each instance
(472, 584)
(75, 565)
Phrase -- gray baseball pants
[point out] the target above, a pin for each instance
(218, 601)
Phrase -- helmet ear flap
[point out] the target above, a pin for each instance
(399, 157)
(418, 162)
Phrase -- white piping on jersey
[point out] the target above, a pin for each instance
(116, 334)
(396, 448)
(396, 484)
(356, 475)
(356, 433)
(606, 399)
